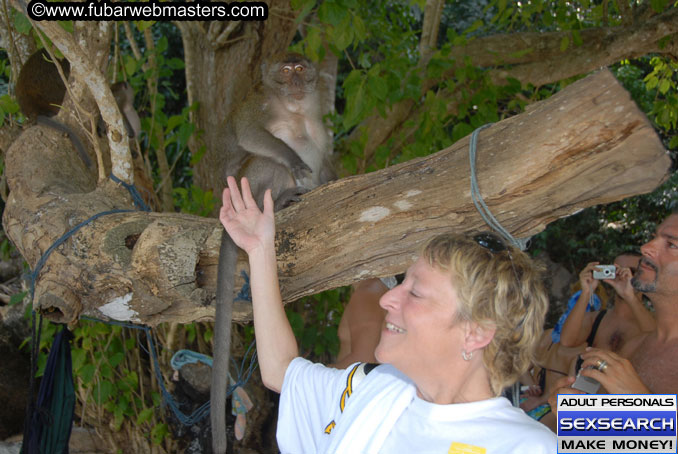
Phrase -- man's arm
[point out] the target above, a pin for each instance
(577, 325)
(622, 285)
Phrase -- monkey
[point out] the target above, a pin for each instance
(276, 139)
(124, 98)
(40, 91)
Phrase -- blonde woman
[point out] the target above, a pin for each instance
(462, 326)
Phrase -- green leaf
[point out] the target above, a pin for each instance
(331, 13)
(66, 25)
(520, 53)
(143, 24)
(651, 81)
(359, 28)
(158, 433)
(341, 36)
(17, 298)
(132, 379)
(103, 391)
(377, 87)
(564, 43)
(86, 373)
(144, 416)
(354, 88)
(78, 357)
(303, 7)
(576, 38)
(22, 24)
(173, 122)
(314, 43)
(8, 104)
(176, 63)
(130, 343)
(106, 371)
(461, 130)
(664, 86)
(658, 5)
(118, 418)
(116, 359)
(475, 26)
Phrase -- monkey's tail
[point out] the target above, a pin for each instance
(228, 255)
(77, 143)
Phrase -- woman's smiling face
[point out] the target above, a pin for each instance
(421, 327)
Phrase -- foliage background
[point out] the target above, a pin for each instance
(379, 65)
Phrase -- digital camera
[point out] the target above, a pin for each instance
(604, 272)
(586, 384)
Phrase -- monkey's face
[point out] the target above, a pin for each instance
(294, 78)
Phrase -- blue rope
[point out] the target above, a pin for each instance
(33, 276)
(136, 197)
(245, 293)
(188, 357)
(36, 334)
(480, 204)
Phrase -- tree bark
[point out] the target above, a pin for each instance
(586, 145)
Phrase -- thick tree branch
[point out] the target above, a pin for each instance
(586, 145)
(82, 66)
(429, 34)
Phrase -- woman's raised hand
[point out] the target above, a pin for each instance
(248, 227)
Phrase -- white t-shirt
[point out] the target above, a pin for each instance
(484, 427)
(313, 397)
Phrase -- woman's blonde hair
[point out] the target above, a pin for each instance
(499, 286)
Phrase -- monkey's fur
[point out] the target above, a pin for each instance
(40, 92)
(277, 139)
(124, 98)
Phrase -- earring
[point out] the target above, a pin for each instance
(466, 356)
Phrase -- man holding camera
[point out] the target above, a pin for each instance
(652, 364)
(625, 319)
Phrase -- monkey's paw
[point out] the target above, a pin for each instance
(288, 197)
(301, 171)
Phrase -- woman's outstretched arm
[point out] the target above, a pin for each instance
(254, 232)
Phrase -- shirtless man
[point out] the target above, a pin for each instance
(625, 320)
(360, 326)
(652, 364)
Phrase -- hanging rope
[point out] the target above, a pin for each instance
(243, 374)
(480, 204)
(36, 333)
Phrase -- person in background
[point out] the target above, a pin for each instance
(625, 318)
(648, 363)
(593, 304)
(460, 328)
(361, 323)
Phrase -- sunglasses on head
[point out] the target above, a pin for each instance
(495, 244)
(491, 242)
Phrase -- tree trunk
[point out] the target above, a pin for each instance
(588, 144)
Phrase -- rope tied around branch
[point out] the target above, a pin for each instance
(480, 204)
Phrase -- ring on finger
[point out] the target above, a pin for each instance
(602, 365)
